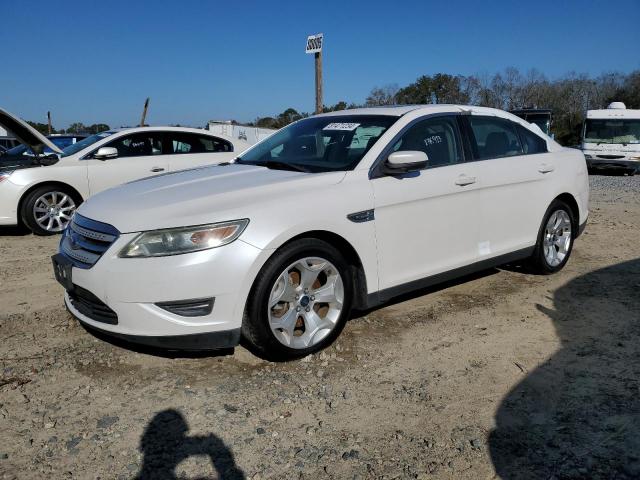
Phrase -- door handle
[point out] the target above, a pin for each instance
(463, 180)
(157, 169)
(544, 168)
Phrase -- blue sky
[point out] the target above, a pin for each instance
(198, 60)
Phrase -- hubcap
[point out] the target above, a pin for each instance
(53, 210)
(557, 238)
(305, 302)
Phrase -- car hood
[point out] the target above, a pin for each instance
(9, 163)
(198, 196)
(25, 133)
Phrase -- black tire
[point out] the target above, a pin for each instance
(255, 326)
(538, 263)
(27, 208)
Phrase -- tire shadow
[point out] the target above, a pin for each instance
(165, 444)
(14, 231)
(578, 414)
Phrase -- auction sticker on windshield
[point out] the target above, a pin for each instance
(349, 127)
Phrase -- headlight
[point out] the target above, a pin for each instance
(174, 241)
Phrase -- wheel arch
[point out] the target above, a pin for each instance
(570, 200)
(346, 249)
(77, 196)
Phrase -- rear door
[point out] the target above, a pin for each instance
(188, 150)
(427, 221)
(140, 155)
(515, 172)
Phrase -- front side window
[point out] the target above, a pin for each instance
(622, 131)
(437, 137)
(138, 144)
(192, 143)
(84, 143)
(531, 143)
(320, 144)
(494, 137)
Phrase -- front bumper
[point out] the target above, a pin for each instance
(190, 342)
(9, 196)
(594, 163)
(132, 288)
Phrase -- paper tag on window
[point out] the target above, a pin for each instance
(347, 127)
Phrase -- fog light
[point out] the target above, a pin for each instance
(197, 307)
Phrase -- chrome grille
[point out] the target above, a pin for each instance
(85, 241)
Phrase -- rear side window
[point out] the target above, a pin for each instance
(193, 143)
(494, 137)
(531, 143)
(437, 137)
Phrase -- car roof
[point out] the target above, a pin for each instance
(400, 110)
(158, 128)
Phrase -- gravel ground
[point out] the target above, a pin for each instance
(500, 374)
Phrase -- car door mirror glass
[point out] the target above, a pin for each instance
(105, 153)
(406, 161)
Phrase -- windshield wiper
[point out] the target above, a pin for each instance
(274, 165)
(277, 165)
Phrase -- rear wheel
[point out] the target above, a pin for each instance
(300, 301)
(555, 240)
(48, 210)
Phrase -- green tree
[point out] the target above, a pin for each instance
(43, 128)
(382, 96)
(76, 128)
(440, 88)
(97, 128)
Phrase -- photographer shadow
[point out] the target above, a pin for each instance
(578, 414)
(165, 444)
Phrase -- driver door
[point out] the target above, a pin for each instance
(427, 221)
(140, 155)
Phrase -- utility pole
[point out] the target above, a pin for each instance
(314, 45)
(318, 82)
(144, 112)
(49, 122)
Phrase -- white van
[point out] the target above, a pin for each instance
(611, 138)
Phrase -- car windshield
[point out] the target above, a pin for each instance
(612, 131)
(320, 144)
(18, 150)
(76, 147)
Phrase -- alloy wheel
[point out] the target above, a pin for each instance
(305, 302)
(53, 211)
(557, 238)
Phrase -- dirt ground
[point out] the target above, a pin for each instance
(503, 374)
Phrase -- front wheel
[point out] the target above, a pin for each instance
(48, 210)
(300, 301)
(555, 240)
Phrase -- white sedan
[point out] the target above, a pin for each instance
(338, 211)
(43, 191)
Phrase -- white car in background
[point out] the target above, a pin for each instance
(43, 191)
(338, 211)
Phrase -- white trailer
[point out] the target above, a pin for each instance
(251, 135)
(611, 138)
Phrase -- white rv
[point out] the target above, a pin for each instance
(611, 138)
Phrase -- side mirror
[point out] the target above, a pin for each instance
(404, 162)
(105, 153)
